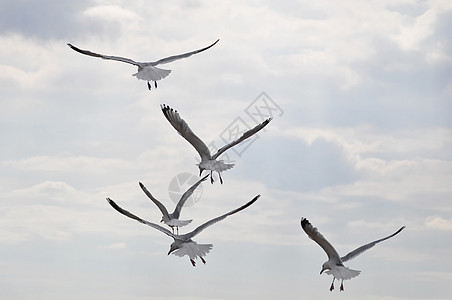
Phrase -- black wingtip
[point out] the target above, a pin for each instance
(401, 228)
(112, 203)
(304, 222)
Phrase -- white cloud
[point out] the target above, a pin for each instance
(439, 223)
(112, 13)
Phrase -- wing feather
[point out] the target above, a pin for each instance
(363, 248)
(185, 196)
(117, 58)
(180, 56)
(244, 136)
(132, 216)
(182, 128)
(158, 203)
(317, 237)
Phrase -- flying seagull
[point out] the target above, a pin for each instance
(208, 161)
(183, 244)
(172, 219)
(334, 266)
(146, 70)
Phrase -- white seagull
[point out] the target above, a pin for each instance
(172, 219)
(146, 70)
(183, 244)
(334, 266)
(208, 161)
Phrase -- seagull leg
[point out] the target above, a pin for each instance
(155, 84)
(332, 285)
(193, 262)
(211, 178)
(342, 285)
(177, 229)
(149, 86)
(202, 259)
(221, 179)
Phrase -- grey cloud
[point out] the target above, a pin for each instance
(298, 166)
(47, 19)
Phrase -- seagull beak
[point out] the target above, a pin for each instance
(322, 271)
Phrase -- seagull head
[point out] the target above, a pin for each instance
(325, 267)
(201, 169)
(174, 246)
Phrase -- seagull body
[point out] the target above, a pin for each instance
(183, 244)
(334, 266)
(208, 161)
(172, 219)
(146, 70)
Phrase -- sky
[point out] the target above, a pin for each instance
(360, 144)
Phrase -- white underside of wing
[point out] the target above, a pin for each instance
(344, 273)
(193, 250)
(151, 73)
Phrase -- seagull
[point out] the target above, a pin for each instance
(172, 220)
(334, 266)
(146, 70)
(208, 161)
(183, 244)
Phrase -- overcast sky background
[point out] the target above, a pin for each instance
(360, 144)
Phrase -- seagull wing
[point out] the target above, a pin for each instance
(132, 216)
(118, 58)
(317, 237)
(158, 203)
(361, 249)
(217, 219)
(244, 136)
(185, 196)
(182, 128)
(180, 56)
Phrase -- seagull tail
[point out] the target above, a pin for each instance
(151, 73)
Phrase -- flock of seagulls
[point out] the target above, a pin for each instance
(183, 244)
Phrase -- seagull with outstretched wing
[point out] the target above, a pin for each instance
(172, 219)
(183, 244)
(146, 70)
(334, 266)
(208, 161)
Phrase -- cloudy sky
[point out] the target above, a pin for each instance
(360, 144)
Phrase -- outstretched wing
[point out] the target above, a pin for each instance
(182, 128)
(317, 237)
(132, 216)
(217, 219)
(244, 136)
(118, 58)
(185, 196)
(180, 56)
(158, 203)
(361, 249)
